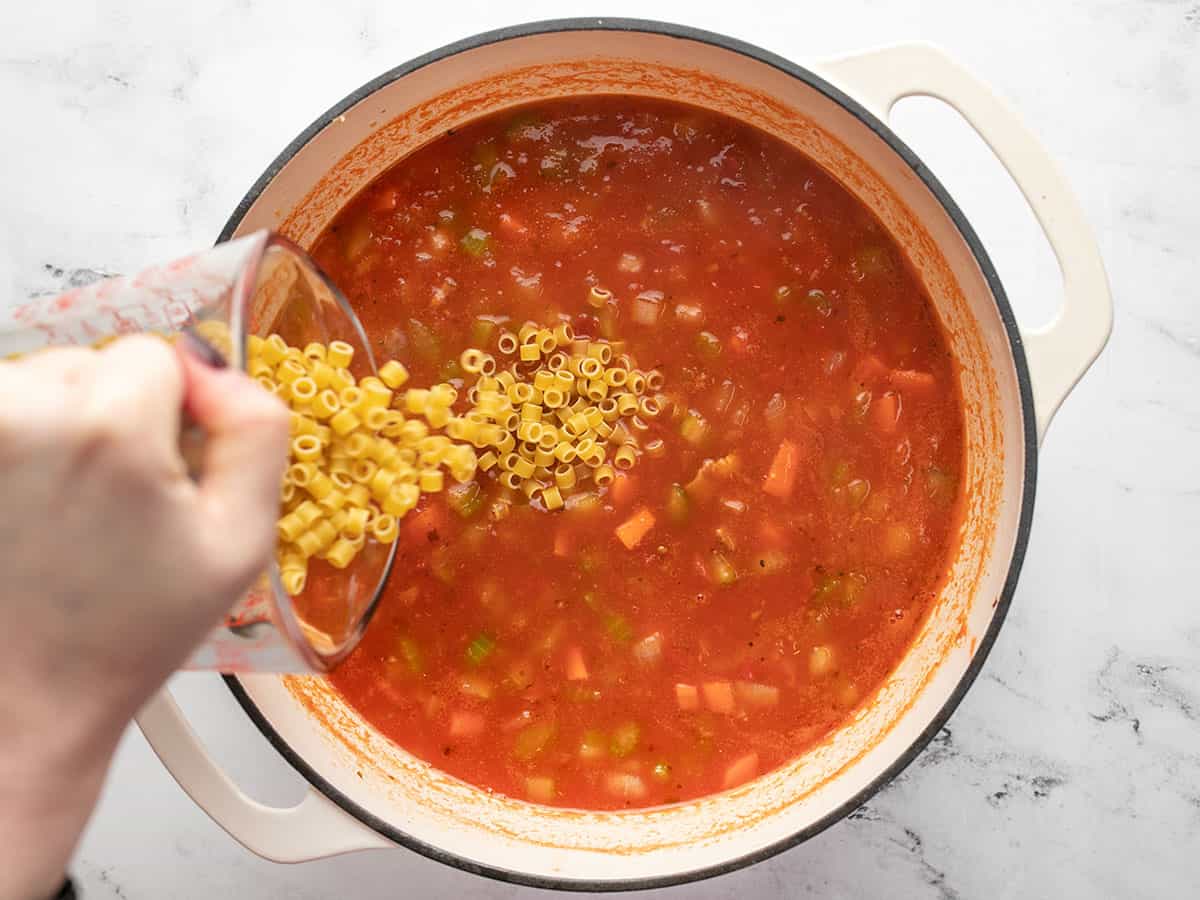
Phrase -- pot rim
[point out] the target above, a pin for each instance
(1007, 317)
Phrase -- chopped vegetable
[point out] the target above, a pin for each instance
(480, 648)
(708, 345)
(721, 570)
(885, 413)
(482, 330)
(781, 478)
(774, 411)
(476, 242)
(677, 504)
(689, 314)
(649, 649)
(621, 489)
(562, 542)
(410, 652)
(912, 381)
(820, 660)
(424, 342)
(718, 696)
(694, 428)
(872, 260)
(755, 695)
(466, 724)
(624, 739)
(540, 789)
(576, 667)
(632, 530)
(687, 696)
(476, 686)
(630, 262)
(625, 786)
(940, 486)
(897, 540)
(532, 740)
(740, 771)
(617, 628)
(647, 307)
(593, 746)
(465, 499)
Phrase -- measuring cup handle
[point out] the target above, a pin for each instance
(312, 829)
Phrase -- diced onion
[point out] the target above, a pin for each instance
(647, 307)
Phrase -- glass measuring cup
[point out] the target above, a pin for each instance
(256, 285)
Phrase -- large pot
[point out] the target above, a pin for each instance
(366, 793)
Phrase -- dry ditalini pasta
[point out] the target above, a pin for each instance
(561, 413)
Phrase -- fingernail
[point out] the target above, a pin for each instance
(203, 350)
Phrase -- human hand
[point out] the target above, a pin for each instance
(115, 562)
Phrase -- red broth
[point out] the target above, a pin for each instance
(802, 509)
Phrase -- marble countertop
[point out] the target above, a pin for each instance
(1072, 769)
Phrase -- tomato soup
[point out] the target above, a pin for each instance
(717, 608)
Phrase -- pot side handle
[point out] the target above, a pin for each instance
(312, 829)
(1060, 352)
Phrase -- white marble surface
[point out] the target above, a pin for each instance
(1072, 770)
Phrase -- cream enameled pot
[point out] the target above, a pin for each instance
(365, 792)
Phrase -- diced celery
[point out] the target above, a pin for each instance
(410, 652)
(465, 499)
(873, 259)
(476, 242)
(424, 342)
(480, 648)
(940, 486)
(694, 428)
(617, 628)
(678, 504)
(442, 565)
(625, 739)
(708, 345)
(482, 330)
(532, 740)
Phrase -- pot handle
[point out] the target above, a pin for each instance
(312, 829)
(1060, 352)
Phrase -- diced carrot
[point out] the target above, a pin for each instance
(576, 667)
(740, 770)
(718, 696)
(885, 413)
(687, 696)
(562, 542)
(784, 468)
(632, 530)
(466, 724)
(621, 490)
(868, 369)
(913, 381)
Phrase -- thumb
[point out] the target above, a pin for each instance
(245, 449)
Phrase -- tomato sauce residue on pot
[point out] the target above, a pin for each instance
(724, 604)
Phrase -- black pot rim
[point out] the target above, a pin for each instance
(812, 80)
